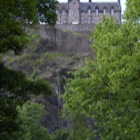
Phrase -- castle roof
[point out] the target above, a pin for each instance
(63, 6)
(85, 6)
(100, 6)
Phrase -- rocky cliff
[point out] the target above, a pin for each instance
(50, 54)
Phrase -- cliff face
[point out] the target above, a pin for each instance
(68, 41)
(46, 58)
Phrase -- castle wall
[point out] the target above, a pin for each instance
(76, 27)
(87, 13)
(118, 16)
(85, 18)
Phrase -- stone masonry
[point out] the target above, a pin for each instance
(78, 16)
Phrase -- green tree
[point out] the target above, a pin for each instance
(80, 127)
(30, 116)
(61, 134)
(16, 17)
(15, 89)
(133, 10)
(107, 88)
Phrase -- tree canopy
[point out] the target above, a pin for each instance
(107, 88)
(133, 10)
(30, 116)
(17, 15)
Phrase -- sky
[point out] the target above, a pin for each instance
(122, 2)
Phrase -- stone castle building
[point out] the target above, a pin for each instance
(89, 13)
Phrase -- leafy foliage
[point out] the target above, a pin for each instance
(107, 88)
(8, 115)
(47, 11)
(30, 116)
(14, 90)
(17, 15)
(81, 126)
(61, 134)
(15, 82)
(133, 10)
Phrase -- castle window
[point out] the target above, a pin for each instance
(104, 10)
(64, 21)
(100, 21)
(93, 20)
(89, 11)
(63, 12)
(85, 20)
(112, 11)
(74, 3)
(75, 13)
(96, 11)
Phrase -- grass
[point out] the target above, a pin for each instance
(52, 55)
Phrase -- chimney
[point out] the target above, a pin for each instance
(119, 2)
(90, 1)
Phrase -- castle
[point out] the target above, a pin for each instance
(76, 15)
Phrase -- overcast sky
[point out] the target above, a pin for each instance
(122, 2)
